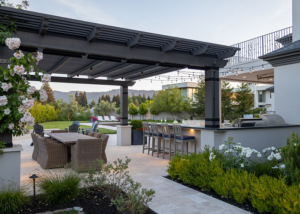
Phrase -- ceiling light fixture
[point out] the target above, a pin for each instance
(77, 75)
(142, 73)
(91, 69)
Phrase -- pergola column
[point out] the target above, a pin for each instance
(212, 98)
(124, 106)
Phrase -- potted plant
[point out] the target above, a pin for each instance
(137, 132)
(17, 96)
(95, 119)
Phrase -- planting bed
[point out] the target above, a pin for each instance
(92, 201)
(245, 206)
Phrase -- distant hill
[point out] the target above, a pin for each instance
(96, 95)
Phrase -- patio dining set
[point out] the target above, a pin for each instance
(64, 147)
(160, 134)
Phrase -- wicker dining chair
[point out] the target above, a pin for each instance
(104, 144)
(156, 137)
(52, 154)
(167, 136)
(74, 128)
(146, 134)
(35, 146)
(183, 139)
(85, 153)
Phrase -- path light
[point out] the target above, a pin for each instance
(33, 177)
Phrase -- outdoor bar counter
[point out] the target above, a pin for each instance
(254, 137)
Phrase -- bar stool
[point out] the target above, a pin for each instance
(156, 135)
(183, 139)
(146, 133)
(166, 135)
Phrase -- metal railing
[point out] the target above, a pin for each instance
(253, 48)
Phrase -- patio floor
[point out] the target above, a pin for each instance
(170, 197)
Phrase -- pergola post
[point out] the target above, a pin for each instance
(124, 130)
(212, 98)
(124, 106)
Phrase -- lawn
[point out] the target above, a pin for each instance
(65, 124)
(69, 212)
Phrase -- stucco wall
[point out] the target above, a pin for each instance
(287, 86)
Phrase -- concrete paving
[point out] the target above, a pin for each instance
(170, 197)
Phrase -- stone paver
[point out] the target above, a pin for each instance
(170, 196)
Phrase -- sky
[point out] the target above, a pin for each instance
(217, 21)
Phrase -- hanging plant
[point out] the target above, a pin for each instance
(17, 96)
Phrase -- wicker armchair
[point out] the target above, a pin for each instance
(59, 131)
(95, 134)
(85, 153)
(35, 146)
(104, 144)
(52, 154)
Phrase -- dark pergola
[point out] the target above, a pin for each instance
(74, 47)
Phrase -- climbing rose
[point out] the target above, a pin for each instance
(31, 90)
(39, 56)
(6, 111)
(28, 103)
(20, 70)
(6, 86)
(3, 100)
(43, 95)
(11, 126)
(46, 78)
(13, 43)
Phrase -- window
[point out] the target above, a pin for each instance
(261, 96)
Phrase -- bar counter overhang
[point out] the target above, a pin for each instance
(257, 138)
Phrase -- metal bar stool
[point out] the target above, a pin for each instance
(166, 135)
(146, 133)
(156, 135)
(183, 139)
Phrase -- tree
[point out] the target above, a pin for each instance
(77, 96)
(92, 104)
(69, 109)
(104, 108)
(117, 100)
(119, 110)
(226, 99)
(132, 109)
(103, 97)
(85, 102)
(169, 100)
(244, 98)
(199, 104)
(80, 99)
(107, 98)
(143, 109)
(48, 89)
(99, 100)
(148, 98)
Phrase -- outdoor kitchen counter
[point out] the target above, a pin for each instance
(254, 137)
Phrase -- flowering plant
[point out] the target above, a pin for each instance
(17, 96)
(91, 117)
(95, 119)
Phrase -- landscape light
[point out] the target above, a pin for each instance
(33, 177)
(91, 69)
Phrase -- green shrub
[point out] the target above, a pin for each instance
(116, 183)
(60, 186)
(82, 116)
(266, 193)
(291, 158)
(175, 166)
(136, 124)
(12, 199)
(242, 184)
(290, 202)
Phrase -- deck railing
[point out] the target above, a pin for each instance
(253, 48)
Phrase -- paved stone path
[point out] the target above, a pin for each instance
(170, 198)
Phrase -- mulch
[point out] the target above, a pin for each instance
(93, 201)
(245, 206)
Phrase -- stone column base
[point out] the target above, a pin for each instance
(124, 135)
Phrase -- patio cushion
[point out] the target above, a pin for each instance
(90, 133)
(159, 134)
(185, 137)
(166, 135)
(148, 133)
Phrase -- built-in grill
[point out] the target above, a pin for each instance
(263, 120)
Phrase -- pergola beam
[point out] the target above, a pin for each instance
(44, 26)
(170, 46)
(200, 50)
(135, 40)
(60, 64)
(86, 67)
(83, 81)
(226, 54)
(144, 69)
(114, 51)
(92, 36)
(163, 71)
(113, 69)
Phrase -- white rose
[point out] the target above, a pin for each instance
(7, 111)
(3, 100)
(11, 126)
(242, 165)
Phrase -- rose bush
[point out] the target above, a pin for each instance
(17, 94)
